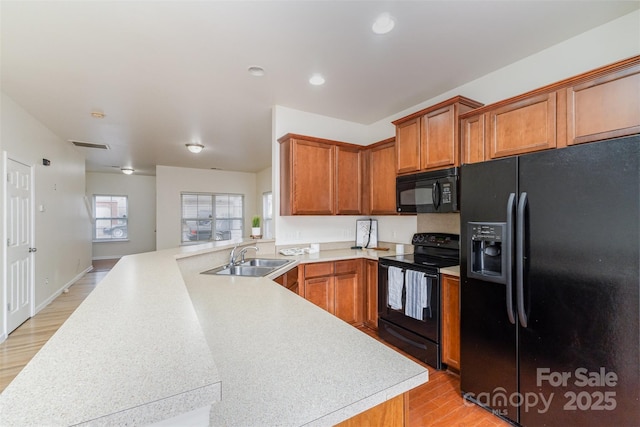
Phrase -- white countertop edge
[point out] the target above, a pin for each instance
(365, 404)
(163, 409)
(451, 271)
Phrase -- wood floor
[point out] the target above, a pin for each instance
(436, 403)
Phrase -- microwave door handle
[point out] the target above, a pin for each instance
(434, 188)
(438, 196)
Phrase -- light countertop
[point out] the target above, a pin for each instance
(156, 339)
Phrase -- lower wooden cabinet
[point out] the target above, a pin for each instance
(289, 280)
(451, 321)
(371, 293)
(336, 287)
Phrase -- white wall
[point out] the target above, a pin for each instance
(616, 40)
(263, 185)
(171, 181)
(141, 226)
(62, 232)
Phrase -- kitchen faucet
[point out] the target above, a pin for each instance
(244, 250)
(232, 255)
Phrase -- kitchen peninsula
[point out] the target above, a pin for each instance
(156, 339)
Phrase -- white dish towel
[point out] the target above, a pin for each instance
(395, 282)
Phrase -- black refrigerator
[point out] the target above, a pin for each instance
(550, 301)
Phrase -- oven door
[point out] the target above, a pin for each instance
(410, 324)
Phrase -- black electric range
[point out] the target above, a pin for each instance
(409, 295)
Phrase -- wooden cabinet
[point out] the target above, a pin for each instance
(289, 280)
(451, 321)
(523, 127)
(319, 177)
(593, 106)
(428, 139)
(371, 293)
(336, 287)
(472, 138)
(348, 180)
(380, 178)
(604, 107)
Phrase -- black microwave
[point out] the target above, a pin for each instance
(428, 192)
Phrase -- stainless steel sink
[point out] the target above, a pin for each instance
(255, 267)
(241, 270)
(266, 262)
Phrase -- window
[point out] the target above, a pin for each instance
(267, 215)
(111, 217)
(207, 216)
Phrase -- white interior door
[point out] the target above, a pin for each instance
(19, 250)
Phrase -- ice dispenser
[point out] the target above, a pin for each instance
(487, 257)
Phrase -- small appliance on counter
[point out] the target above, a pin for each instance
(409, 295)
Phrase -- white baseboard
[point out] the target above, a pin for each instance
(3, 337)
(57, 293)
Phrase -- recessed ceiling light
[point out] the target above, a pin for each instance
(195, 148)
(256, 71)
(383, 24)
(127, 171)
(316, 80)
(97, 115)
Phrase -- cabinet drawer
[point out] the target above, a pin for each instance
(349, 266)
(318, 269)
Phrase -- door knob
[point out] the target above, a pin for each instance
(33, 249)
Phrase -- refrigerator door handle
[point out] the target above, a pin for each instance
(509, 258)
(522, 204)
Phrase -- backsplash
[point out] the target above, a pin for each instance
(439, 222)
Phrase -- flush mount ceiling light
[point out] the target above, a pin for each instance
(127, 171)
(383, 24)
(256, 71)
(316, 80)
(97, 115)
(195, 148)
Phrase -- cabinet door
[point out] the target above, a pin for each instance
(348, 291)
(312, 178)
(348, 299)
(382, 179)
(473, 139)
(319, 291)
(371, 294)
(451, 321)
(524, 126)
(603, 108)
(438, 145)
(349, 180)
(408, 146)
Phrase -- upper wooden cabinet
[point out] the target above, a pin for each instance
(604, 107)
(319, 177)
(428, 139)
(380, 178)
(601, 104)
(348, 187)
(522, 127)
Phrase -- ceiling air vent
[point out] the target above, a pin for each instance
(89, 145)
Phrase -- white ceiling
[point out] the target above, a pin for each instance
(169, 72)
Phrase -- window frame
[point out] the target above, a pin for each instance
(212, 218)
(267, 215)
(117, 219)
